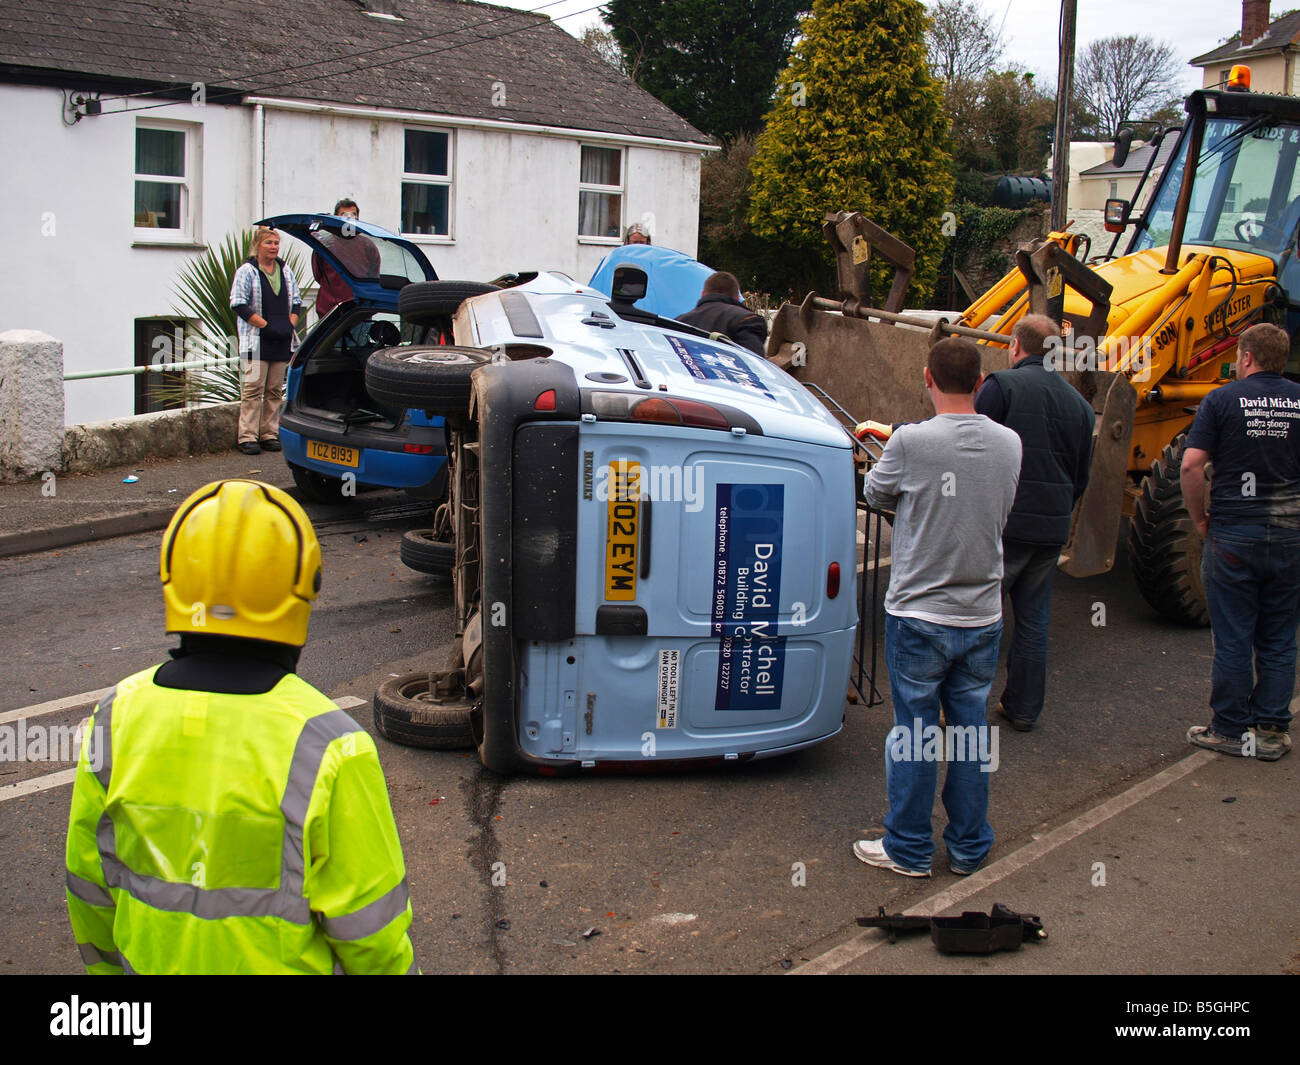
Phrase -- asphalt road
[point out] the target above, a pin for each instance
(746, 869)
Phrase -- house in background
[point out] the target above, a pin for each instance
(1106, 181)
(140, 131)
(1270, 49)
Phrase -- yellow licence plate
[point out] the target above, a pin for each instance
(623, 524)
(336, 453)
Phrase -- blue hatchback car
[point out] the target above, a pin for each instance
(334, 434)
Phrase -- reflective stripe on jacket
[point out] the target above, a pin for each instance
(219, 833)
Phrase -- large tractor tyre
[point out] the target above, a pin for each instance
(426, 301)
(405, 714)
(422, 551)
(427, 377)
(317, 487)
(1164, 547)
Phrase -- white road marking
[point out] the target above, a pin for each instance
(35, 784)
(887, 560)
(67, 776)
(84, 701)
(871, 938)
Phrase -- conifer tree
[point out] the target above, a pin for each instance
(857, 125)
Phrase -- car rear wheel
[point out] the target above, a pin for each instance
(426, 301)
(408, 712)
(318, 488)
(435, 377)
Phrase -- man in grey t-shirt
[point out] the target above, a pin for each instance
(951, 480)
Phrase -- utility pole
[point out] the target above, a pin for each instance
(1064, 93)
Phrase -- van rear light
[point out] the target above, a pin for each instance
(546, 401)
(832, 580)
(631, 408)
(418, 449)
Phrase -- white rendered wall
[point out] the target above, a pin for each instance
(74, 268)
(514, 198)
(71, 269)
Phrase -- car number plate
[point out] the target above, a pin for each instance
(335, 453)
(623, 525)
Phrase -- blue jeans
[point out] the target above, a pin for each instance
(932, 665)
(1252, 586)
(1027, 574)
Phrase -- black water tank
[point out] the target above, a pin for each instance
(1021, 191)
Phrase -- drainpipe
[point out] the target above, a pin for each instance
(259, 161)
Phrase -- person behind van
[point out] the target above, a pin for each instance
(720, 310)
(357, 253)
(637, 233)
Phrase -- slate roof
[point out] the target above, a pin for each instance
(1136, 162)
(443, 58)
(1281, 34)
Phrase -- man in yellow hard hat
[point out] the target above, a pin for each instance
(226, 816)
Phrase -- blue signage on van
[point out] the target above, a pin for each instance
(750, 522)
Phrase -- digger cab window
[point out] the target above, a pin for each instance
(1245, 193)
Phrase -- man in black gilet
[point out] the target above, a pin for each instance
(1055, 426)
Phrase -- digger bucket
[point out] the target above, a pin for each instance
(1094, 529)
(871, 368)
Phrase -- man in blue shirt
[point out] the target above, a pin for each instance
(1250, 431)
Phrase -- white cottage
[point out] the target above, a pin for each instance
(137, 132)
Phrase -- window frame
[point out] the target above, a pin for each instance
(447, 181)
(620, 190)
(189, 232)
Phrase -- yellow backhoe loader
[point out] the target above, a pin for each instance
(1146, 335)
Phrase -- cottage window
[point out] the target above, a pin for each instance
(166, 174)
(426, 183)
(600, 193)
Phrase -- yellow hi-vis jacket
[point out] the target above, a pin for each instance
(217, 833)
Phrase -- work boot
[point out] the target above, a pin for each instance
(1271, 742)
(1205, 736)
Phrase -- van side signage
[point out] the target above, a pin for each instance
(710, 362)
(747, 549)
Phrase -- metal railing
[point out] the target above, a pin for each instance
(171, 367)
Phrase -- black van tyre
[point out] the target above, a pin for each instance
(431, 377)
(423, 301)
(317, 487)
(1164, 547)
(405, 718)
(423, 552)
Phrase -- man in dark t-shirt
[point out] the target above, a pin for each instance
(1250, 431)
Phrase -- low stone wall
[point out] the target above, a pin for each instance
(33, 439)
(165, 434)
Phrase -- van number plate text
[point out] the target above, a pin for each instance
(623, 526)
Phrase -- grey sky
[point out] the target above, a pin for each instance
(1190, 26)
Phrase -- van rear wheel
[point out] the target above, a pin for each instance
(424, 302)
(409, 712)
(431, 377)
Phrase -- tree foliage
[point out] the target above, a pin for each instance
(962, 43)
(714, 62)
(1121, 79)
(858, 124)
(600, 39)
(727, 242)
